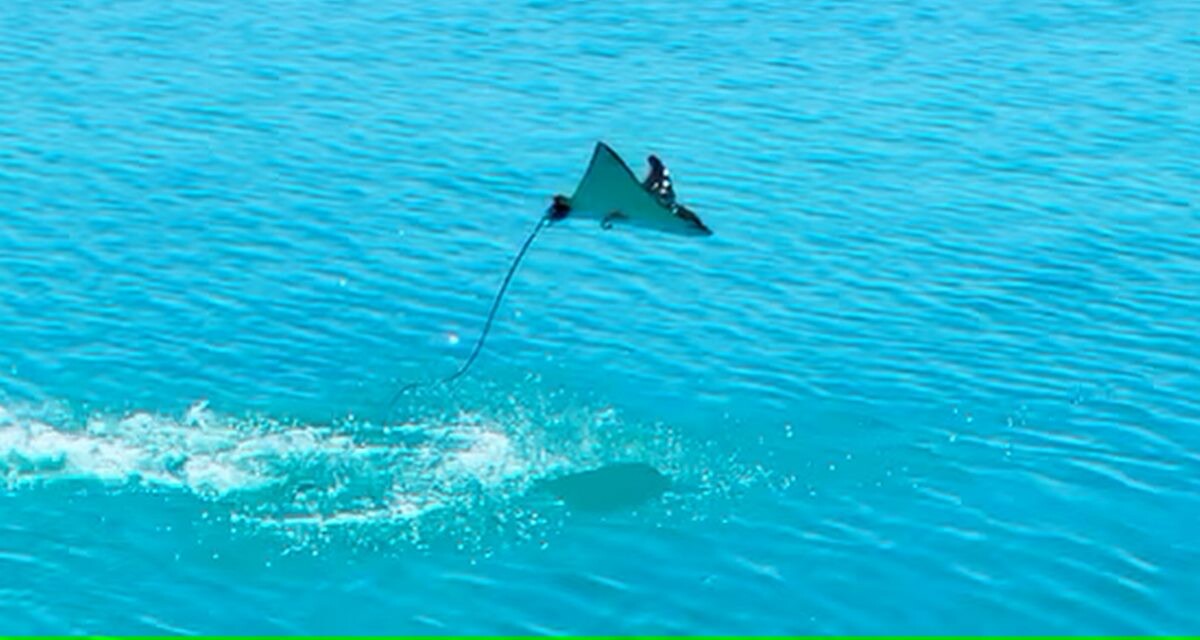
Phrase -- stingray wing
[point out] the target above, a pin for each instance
(658, 181)
(610, 192)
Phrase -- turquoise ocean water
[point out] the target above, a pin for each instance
(937, 371)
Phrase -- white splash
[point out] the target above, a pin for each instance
(298, 478)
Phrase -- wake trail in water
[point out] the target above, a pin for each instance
(424, 476)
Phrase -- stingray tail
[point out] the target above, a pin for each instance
(491, 317)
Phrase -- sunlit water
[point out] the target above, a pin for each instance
(937, 371)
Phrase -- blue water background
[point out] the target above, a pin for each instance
(937, 371)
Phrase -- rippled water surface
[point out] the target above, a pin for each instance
(937, 371)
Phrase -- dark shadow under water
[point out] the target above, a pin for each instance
(609, 488)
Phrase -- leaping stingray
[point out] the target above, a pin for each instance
(608, 192)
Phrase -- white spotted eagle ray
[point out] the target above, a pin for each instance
(610, 193)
